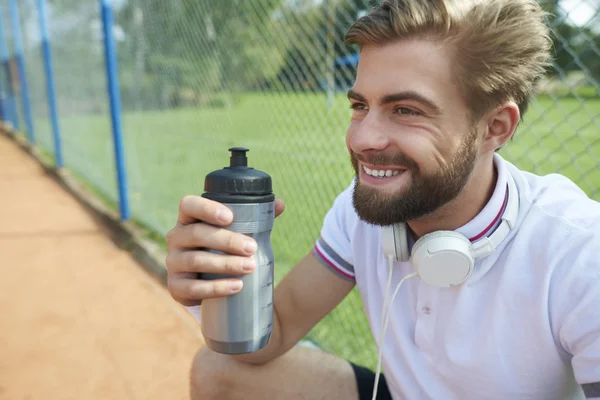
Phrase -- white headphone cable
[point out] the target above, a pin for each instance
(385, 298)
(382, 325)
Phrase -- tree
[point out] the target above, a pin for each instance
(575, 47)
(202, 47)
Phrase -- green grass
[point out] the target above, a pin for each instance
(300, 143)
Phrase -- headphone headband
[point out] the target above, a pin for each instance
(395, 237)
(487, 245)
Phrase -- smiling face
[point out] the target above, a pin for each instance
(411, 138)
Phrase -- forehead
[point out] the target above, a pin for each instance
(415, 65)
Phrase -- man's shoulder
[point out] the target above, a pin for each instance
(559, 229)
(341, 218)
(554, 201)
(343, 203)
(556, 238)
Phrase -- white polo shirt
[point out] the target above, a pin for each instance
(525, 325)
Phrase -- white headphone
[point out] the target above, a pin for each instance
(441, 258)
(446, 258)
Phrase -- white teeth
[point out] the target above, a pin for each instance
(380, 173)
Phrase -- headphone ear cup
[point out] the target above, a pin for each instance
(443, 258)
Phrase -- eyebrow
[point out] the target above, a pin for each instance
(391, 98)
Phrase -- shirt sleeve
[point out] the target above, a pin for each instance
(577, 306)
(195, 311)
(334, 247)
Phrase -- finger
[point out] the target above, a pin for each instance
(279, 207)
(196, 208)
(187, 303)
(185, 275)
(190, 291)
(212, 237)
(203, 261)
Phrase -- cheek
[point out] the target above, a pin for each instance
(424, 150)
(429, 148)
(433, 148)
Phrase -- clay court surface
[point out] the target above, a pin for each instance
(80, 319)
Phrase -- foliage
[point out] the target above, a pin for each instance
(199, 47)
(575, 47)
(184, 51)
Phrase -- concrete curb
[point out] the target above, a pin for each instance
(126, 235)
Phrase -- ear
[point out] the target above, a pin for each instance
(501, 124)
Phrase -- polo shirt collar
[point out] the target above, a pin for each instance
(490, 217)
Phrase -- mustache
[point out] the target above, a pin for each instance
(386, 159)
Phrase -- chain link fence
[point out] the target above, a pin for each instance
(198, 77)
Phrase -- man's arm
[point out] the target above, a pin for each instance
(302, 298)
(575, 302)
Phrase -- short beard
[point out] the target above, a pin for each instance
(426, 194)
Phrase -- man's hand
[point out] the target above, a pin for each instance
(199, 227)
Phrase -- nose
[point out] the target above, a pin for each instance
(367, 134)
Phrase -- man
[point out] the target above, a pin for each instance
(440, 87)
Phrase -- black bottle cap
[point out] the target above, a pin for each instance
(238, 183)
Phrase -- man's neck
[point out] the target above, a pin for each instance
(466, 206)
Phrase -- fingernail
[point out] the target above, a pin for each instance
(250, 247)
(235, 286)
(224, 215)
(248, 264)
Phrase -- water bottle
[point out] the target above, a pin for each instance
(242, 323)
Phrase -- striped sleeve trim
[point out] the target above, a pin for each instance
(591, 390)
(333, 261)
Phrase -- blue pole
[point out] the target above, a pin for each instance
(16, 24)
(9, 101)
(50, 82)
(3, 101)
(112, 71)
(3, 97)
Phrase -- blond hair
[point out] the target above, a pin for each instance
(500, 48)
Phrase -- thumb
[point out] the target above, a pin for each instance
(279, 207)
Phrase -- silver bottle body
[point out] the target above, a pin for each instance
(243, 322)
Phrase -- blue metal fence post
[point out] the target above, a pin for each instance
(3, 100)
(9, 100)
(50, 82)
(4, 108)
(16, 25)
(112, 71)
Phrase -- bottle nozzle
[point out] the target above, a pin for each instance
(238, 157)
